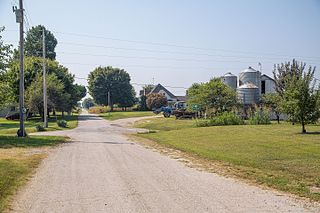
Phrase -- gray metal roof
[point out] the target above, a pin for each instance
(229, 74)
(249, 69)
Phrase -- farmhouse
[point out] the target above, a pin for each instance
(159, 89)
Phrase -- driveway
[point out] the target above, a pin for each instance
(102, 171)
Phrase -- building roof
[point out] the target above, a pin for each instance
(249, 69)
(266, 76)
(229, 74)
(182, 98)
(159, 87)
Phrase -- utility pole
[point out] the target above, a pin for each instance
(19, 19)
(45, 109)
(109, 100)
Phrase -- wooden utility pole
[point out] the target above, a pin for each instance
(45, 109)
(19, 19)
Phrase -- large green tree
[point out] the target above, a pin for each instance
(55, 94)
(6, 95)
(104, 80)
(301, 95)
(5, 53)
(34, 67)
(33, 42)
(212, 95)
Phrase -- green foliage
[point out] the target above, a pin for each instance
(143, 103)
(5, 53)
(62, 123)
(213, 94)
(273, 102)
(114, 80)
(6, 95)
(156, 101)
(299, 92)
(260, 117)
(34, 66)
(55, 94)
(33, 43)
(88, 103)
(225, 118)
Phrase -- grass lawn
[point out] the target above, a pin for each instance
(275, 155)
(8, 127)
(120, 115)
(18, 159)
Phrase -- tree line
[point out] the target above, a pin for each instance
(62, 91)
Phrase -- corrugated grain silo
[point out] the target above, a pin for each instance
(230, 80)
(248, 93)
(250, 75)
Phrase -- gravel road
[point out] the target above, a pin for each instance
(102, 171)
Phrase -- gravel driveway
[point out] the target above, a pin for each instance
(102, 171)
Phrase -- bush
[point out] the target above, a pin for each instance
(260, 117)
(62, 123)
(40, 128)
(226, 118)
(99, 109)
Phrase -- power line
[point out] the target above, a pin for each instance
(179, 46)
(168, 52)
(141, 84)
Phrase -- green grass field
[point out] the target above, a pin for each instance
(120, 115)
(275, 155)
(8, 127)
(18, 159)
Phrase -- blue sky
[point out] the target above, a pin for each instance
(175, 42)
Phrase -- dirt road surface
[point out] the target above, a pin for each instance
(102, 171)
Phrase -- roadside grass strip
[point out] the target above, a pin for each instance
(275, 155)
(9, 127)
(19, 157)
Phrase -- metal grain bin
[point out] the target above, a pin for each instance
(248, 93)
(230, 80)
(250, 75)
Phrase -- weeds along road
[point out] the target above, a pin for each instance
(101, 171)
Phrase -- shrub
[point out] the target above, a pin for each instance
(99, 109)
(62, 123)
(260, 117)
(226, 118)
(40, 128)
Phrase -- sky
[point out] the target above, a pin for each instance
(174, 42)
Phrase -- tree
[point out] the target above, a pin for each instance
(143, 96)
(55, 94)
(33, 43)
(6, 95)
(282, 72)
(273, 101)
(87, 103)
(212, 95)
(300, 95)
(34, 67)
(104, 80)
(128, 99)
(156, 101)
(5, 53)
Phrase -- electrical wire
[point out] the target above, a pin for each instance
(179, 46)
